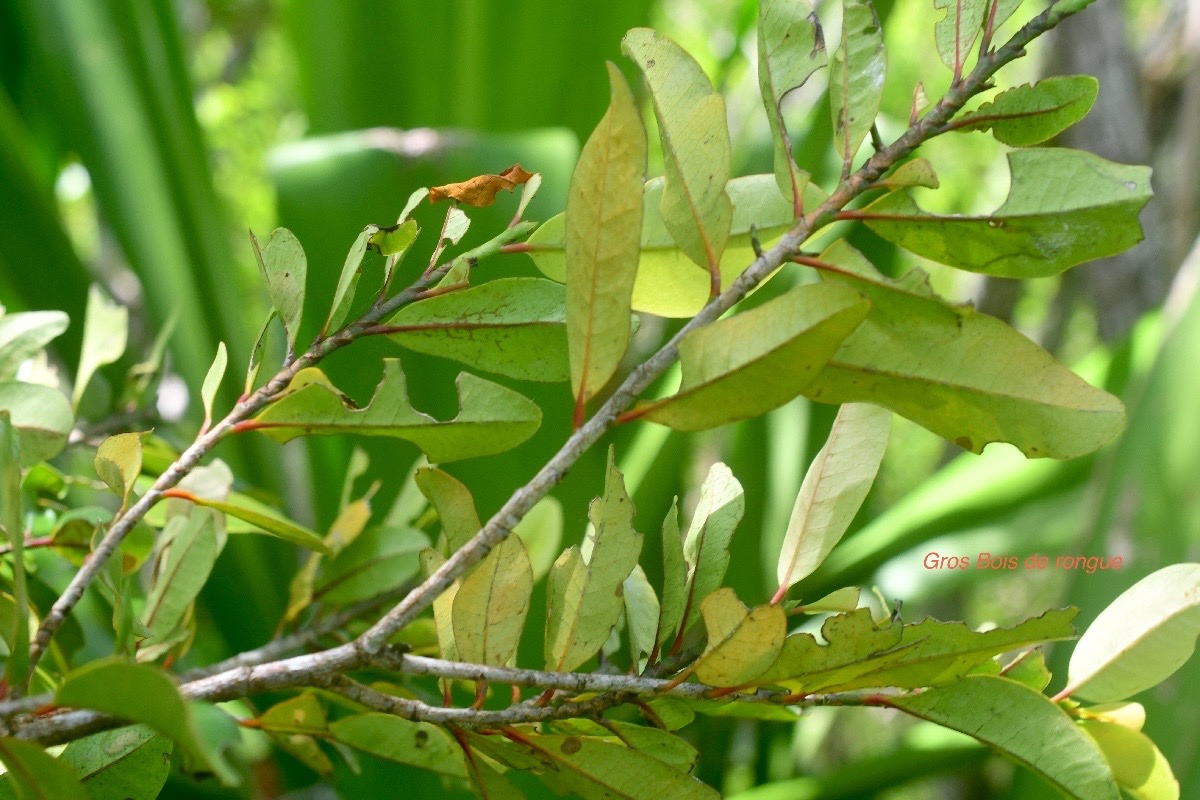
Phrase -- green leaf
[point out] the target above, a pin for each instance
(663, 745)
(272, 524)
(188, 549)
(491, 604)
(1023, 725)
(288, 724)
(12, 520)
(454, 505)
(541, 529)
(1141, 638)
(851, 640)
(742, 643)
(956, 32)
(669, 284)
(397, 239)
(593, 768)
(944, 652)
(917, 172)
(118, 462)
(834, 488)
(604, 219)
(491, 418)
(42, 417)
(515, 327)
(212, 382)
(791, 47)
(140, 693)
(856, 78)
(839, 600)
(105, 330)
(584, 593)
(487, 782)
(23, 336)
(641, 615)
(37, 775)
(706, 546)
(344, 531)
(1031, 671)
(672, 712)
(1033, 113)
(675, 579)
(695, 142)
(1064, 207)
(1004, 10)
(343, 295)
(443, 604)
(130, 763)
(379, 560)
(285, 269)
(417, 744)
(756, 361)
(256, 355)
(1137, 765)
(929, 361)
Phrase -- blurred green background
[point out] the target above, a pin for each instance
(140, 139)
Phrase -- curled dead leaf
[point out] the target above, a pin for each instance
(481, 190)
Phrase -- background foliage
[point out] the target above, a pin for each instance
(139, 140)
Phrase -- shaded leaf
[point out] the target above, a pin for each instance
(256, 354)
(695, 143)
(1064, 207)
(42, 417)
(706, 545)
(603, 228)
(929, 361)
(1141, 638)
(12, 520)
(23, 336)
(285, 269)
(130, 763)
(454, 505)
(663, 745)
(418, 744)
(856, 76)
(669, 283)
(487, 783)
(188, 549)
(791, 47)
(955, 33)
(346, 528)
(481, 190)
(491, 418)
(583, 598)
(288, 724)
(140, 693)
(511, 326)
(1023, 725)
(212, 382)
(118, 462)
(395, 240)
(675, 579)
(1031, 671)
(105, 331)
(755, 361)
(742, 643)
(1033, 113)
(834, 488)
(491, 604)
(343, 294)
(1137, 765)
(37, 775)
(443, 604)
(641, 615)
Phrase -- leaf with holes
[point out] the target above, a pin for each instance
(742, 643)
(1031, 114)
(856, 76)
(418, 744)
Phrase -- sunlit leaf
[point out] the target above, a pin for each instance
(1033, 113)
(454, 505)
(511, 326)
(285, 269)
(105, 331)
(836, 601)
(956, 32)
(603, 227)
(1064, 207)
(742, 643)
(834, 488)
(791, 47)
(491, 604)
(343, 294)
(695, 143)
(917, 172)
(42, 417)
(1141, 638)
(675, 579)
(706, 545)
(273, 524)
(851, 640)
(491, 418)
(24, 334)
(481, 190)
(37, 775)
(1024, 725)
(418, 744)
(118, 462)
(584, 593)
(1137, 765)
(933, 363)
(212, 382)
(755, 361)
(856, 76)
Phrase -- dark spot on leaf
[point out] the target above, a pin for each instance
(421, 739)
(964, 443)
(650, 63)
(571, 745)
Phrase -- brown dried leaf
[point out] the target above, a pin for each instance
(481, 190)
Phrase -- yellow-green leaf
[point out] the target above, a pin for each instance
(24, 334)
(695, 142)
(1137, 765)
(42, 418)
(491, 418)
(742, 643)
(16, 667)
(706, 545)
(118, 462)
(675, 579)
(443, 604)
(343, 294)
(541, 529)
(37, 775)
(603, 228)
(584, 595)
(105, 332)
(418, 744)
(1031, 114)
(856, 78)
(212, 382)
(491, 604)
(276, 526)
(453, 503)
(955, 33)
(641, 614)
(285, 269)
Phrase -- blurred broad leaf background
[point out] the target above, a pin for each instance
(140, 139)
